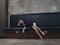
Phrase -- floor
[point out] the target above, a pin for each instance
(29, 42)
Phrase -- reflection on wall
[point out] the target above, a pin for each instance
(33, 6)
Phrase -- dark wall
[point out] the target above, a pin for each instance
(42, 19)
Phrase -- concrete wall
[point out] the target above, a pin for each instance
(33, 6)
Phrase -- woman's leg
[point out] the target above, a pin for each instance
(40, 30)
(37, 32)
(23, 29)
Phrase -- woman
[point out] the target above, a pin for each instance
(37, 30)
(23, 24)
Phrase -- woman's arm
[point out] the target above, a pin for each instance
(18, 23)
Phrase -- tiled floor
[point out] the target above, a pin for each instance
(29, 42)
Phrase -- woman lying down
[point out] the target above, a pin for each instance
(35, 27)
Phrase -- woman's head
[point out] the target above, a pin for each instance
(21, 21)
(34, 24)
